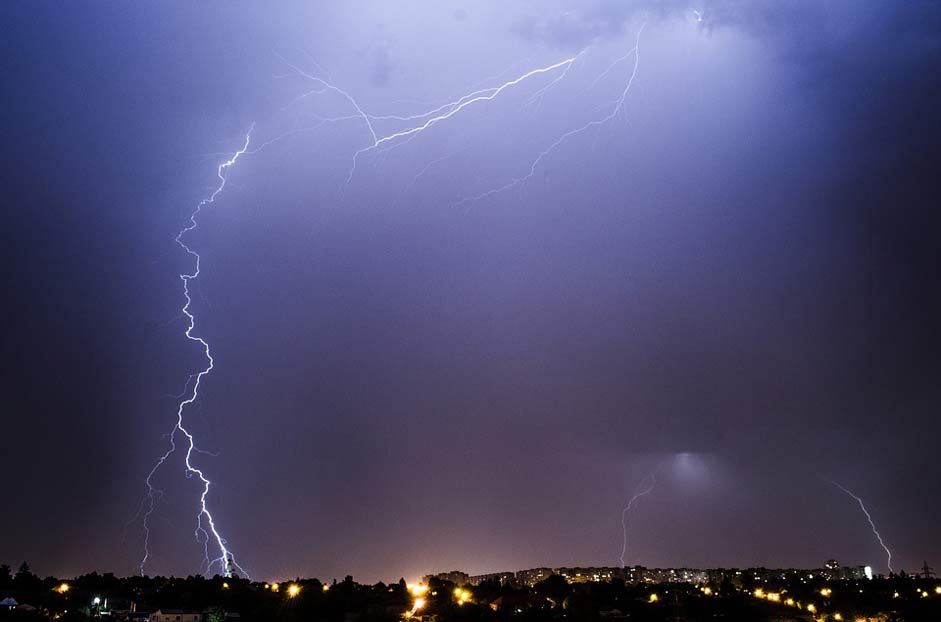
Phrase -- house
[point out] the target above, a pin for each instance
(175, 615)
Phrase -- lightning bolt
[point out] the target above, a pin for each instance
(427, 119)
(206, 530)
(421, 173)
(481, 96)
(862, 506)
(617, 106)
(381, 142)
(423, 121)
(640, 491)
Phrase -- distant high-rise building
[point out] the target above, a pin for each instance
(533, 576)
(455, 576)
(503, 578)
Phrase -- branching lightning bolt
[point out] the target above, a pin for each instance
(617, 107)
(383, 142)
(875, 531)
(640, 491)
(380, 142)
(461, 104)
(206, 530)
(429, 119)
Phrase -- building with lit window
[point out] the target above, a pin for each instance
(175, 615)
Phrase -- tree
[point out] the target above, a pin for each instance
(24, 572)
(555, 587)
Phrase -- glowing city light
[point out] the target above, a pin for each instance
(417, 589)
(293, 590)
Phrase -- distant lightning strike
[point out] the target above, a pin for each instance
(875, 531)
(640, 491)
(206, 530)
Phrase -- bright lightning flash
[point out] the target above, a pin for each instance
(426, 120)
(206, 530)
(617, 106)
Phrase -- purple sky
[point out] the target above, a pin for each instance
(734, 282)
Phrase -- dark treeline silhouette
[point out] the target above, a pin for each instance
(216, 599)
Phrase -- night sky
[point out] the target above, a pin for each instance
(734, 283)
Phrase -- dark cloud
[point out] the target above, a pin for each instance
(804, 28)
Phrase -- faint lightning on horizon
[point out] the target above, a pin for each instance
(206, 530)
(872, 524)
(639, 492)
